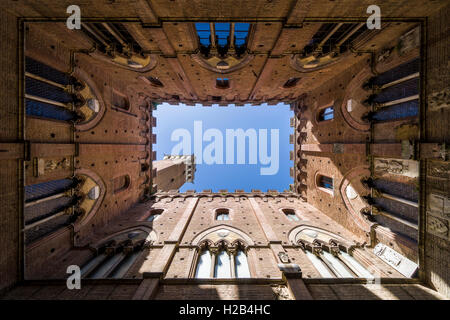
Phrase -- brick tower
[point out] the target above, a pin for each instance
(173, 171)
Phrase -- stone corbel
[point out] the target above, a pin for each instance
(316, 247)
(147, 244)
(334, 247)
(110, 250)
(213, 250)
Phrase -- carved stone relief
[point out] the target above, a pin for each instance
(409, 168)
(338, 148)
(385, 54)
(439, 205)
(437, 226)
(409, 41)
(43, 166)
(396, 260)
(439, 169)
(439, 100)
(282, 293)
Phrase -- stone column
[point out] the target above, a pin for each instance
(293, 276)
(147, 289)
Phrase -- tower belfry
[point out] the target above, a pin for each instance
(174, 171)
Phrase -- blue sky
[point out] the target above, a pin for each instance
(229, 176)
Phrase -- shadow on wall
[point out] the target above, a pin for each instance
(372, 292)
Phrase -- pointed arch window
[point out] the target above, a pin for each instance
(45, 92)
(115, 257)
(320, 266)
(241, 33)
(222, 267)
(241, 265)
(331, 262)
(203, 269)
(49, 206)
(204, 33)
(222, 36)
(222, 262)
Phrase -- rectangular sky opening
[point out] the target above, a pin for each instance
(235, 147)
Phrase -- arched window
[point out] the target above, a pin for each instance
(116, 256)
(241, 265)
(331, 262)
(292, 82)
(155, 214)
(398, 92)
(204, 33)
(222, 83)
(204, 265)
(222, 214)
(222, 267)
(121, 183)
(290, 214)
(337, 266)
(326, 114)
(223, 36)
(48, 207)
(222, 262)
(45, 94)
(320, 266)
(324, 182)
